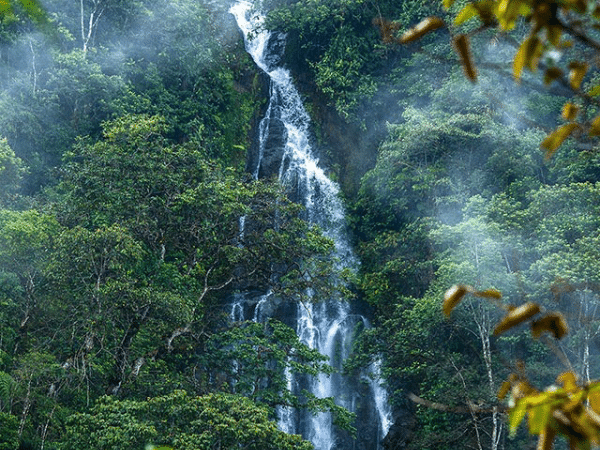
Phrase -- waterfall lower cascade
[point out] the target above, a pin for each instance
(325, 325)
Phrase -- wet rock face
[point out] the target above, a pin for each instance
(271, 159)
(401, 432)
(276, 47)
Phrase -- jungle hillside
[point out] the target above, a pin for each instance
(126, 131)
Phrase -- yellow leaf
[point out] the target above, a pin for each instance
(546, 439)
(553, 323)
(527, 55)
(448, 3)
(522, 390)
(468, 12)
(570, 111)
(534, 52)
(594, 400)
(517, 316)
(524, 9)
(461, 44)
(554, 33)
(502, 7)
(552, 74)
(504, 389)
(515, 416)
(507, 12)
(424, 27)
(539, 416)
(595, 127)
(489, 293)
(576, 73)
(568, 380)
(453, 296)
(557, 137)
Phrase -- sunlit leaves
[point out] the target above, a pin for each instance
(455, 294)
(553, 323)
(546, 35)
(570, 111)
(506, 12)
(509, 11)
(595, 127)
(570, 409)
(25, 238)
(32, 8)
(11, 171)
(468, 12)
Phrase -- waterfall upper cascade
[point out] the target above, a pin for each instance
(326, 325)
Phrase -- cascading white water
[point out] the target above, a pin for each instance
(326, 325)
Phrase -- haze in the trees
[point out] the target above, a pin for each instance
(124, 135)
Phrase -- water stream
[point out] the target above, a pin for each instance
(325, 325)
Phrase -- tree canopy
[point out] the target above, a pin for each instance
(125, 132)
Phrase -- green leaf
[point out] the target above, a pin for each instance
(516, 416)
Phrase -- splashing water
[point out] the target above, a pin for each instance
(327, 325)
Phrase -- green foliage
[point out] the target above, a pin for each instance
(9, 434)
(11, 172)
(32, 8)
(255, 359)
(180, 421)
(458, 194)
(133, 124)
(139, 58)
(117, 285)
(341, 72)
(24, 240)
(119, 296)
(348, 63)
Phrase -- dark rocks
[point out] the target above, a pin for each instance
(401, 432)
(275, 140)
(276, 47)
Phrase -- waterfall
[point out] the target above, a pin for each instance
(327, 326)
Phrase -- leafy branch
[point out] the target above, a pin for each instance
(553, 27)
(569, 408)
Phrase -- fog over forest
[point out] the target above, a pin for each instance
(207, 242)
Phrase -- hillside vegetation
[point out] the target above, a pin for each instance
(124, 131)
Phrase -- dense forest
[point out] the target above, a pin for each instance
(125, 130)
